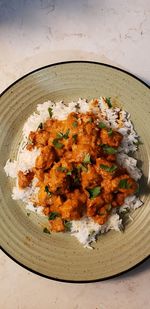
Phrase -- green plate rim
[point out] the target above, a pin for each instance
(1, 94)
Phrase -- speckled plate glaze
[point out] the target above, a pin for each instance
(62, 257)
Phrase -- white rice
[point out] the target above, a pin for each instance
(85, 230)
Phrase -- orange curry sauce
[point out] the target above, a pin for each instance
(77, 170)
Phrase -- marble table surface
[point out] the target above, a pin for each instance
(34, 33)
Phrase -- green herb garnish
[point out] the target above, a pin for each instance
(74, 136)
(69, 173)
(90, 120)
(28, 214)
(107, 168)
(53, 215)
(67, 225)
(47, 191)
(82, 167)
(50, 110)
(109, 149)
(108, 207)
(59, 135)
(40, 126)
(66, 135)
(87, 159)
(94, 192)
(75, 124)
(108, 101)
(30, 142)
(57, 144)
(61, 169)
(110, 132)
(138, 143)
(45, 230)
(123, 184)
(102, 125)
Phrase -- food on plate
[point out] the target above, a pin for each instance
(73, 167)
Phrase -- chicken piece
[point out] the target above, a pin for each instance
(46, 158)
(118, 199)
(43, 198)
(79, 152)
(107, 197)
(93, 205)
(105, 168)
(57, 225)
(39, 173)
(90, 178)
(39, 138)
(123, 183)
(24, 180)
(46, 210)
(101, 217)
(113, 140)
(74, 207)
(111, 157)
(57, 203)
(57, 177)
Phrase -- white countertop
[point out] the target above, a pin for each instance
(36, 33)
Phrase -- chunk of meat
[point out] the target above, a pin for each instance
(46, 158)
(118, 199)
(24, 180)
(57, 225)
(105, 168)
(39, 138)
(90, 178)
(74, 207)
(102, 216)
(113, 140)
(43, 198)
(93, 205)
(128, 186)
(57, 177)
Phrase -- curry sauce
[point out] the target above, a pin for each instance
(77, 171)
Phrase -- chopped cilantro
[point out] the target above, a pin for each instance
(69, 173)
(90, 120)
(87, 159)
(108, 207)
(66, 135)
(45, 230)
(82, 167)
(47, 191)
(75, 124)
(61, 135)
(110, 132)
(30, 142)
(109, 149)
(40, 126)
(61, 169)
(101, 125)
(50, 110)
(74, 136)
(108, 101)
(53, 215)
(94, 192)
(57, 144)
(123, 184)
(67, 225)
(138, 143)
(107, 168)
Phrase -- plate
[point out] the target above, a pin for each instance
(60, 256)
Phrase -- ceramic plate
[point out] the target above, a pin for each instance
(62, 257)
